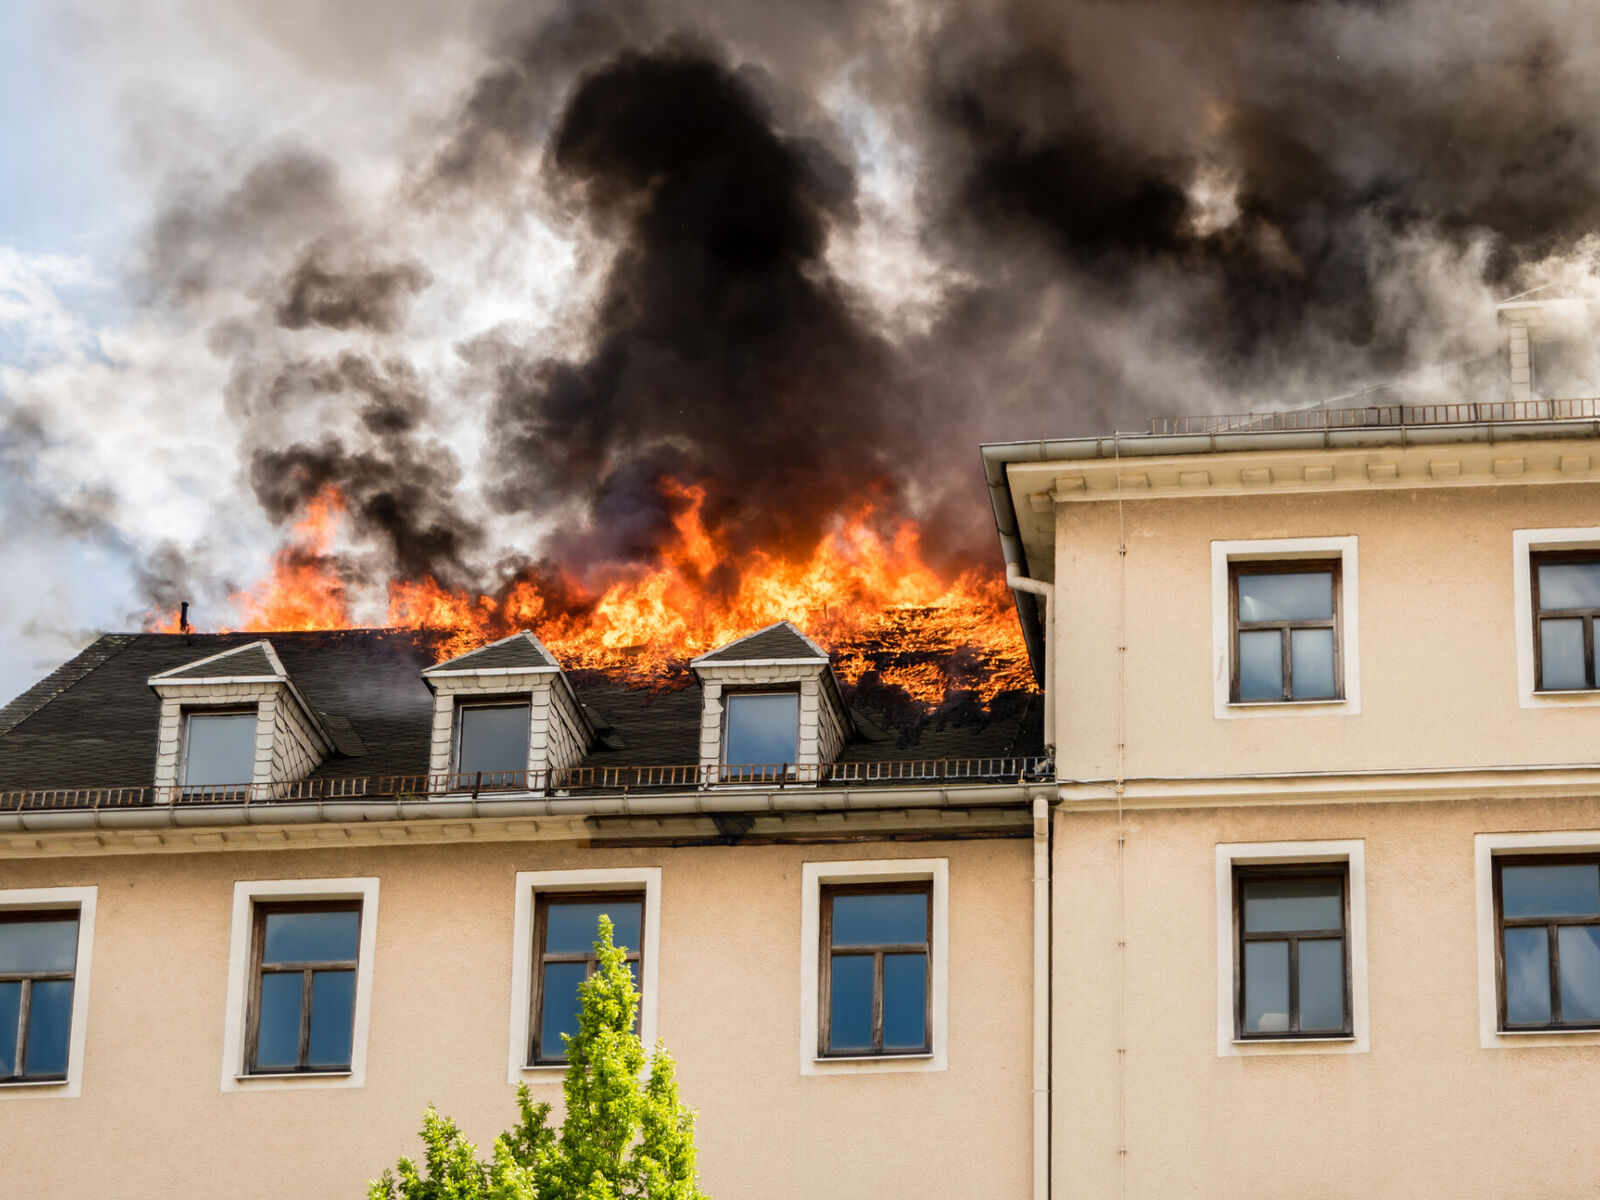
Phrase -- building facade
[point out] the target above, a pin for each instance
(1287, 884)
(1326, 850)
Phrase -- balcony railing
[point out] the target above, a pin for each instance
(1379, 415)
(557, 784)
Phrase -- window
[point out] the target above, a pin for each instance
(38, 960)
(1291, 923)
(300, 969)
(1285, 628)
(556, 916)
(875, 969)
(45, 940)
(492, 743)
(761, 732)
(302, 1008)
(875, 966)
(565, 929)
(219, 750)
(1547, 912)
(1293, 956)
(1566, 601)
(1285, 619)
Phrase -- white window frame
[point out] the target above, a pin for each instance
(1352, 854)
(1524, 544)
(1486, 848)
(529, 886)
(1286, 549)
(247, 893)
(816, 875)
(58, 899)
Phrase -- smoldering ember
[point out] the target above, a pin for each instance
(1078, 517)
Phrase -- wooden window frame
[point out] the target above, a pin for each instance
(522, 700)
(1285, 629)
(537, 1055)
(1536, 559)
(29, 978)
(829, 891)
(260, 911)
(1280, 873)
(1552, 942)
(749, 772)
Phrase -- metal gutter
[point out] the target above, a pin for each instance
(528, 804)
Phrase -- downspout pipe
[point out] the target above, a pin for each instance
(1041, 998)
(1018, 582)
(1041, 894)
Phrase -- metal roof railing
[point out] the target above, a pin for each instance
(563, 782)
(1378, 415)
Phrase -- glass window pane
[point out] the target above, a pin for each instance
(1322, 985)
(850, 1014)
(1566, 586)
(1527, 977)
(311, 937)
(1266, 987)
(494, 738)
(1277, 905)
(763, 729)
(1311, 660)
(333, 1011)
(38, 945)
(1580, 972)
(1561, 659)
(1552, 890)
(571, 926)
(219, 749)
(278, 1035)
(905, 1001)
(1292, 596)
(49, 1026)
(881, 917)
(1261, 665)
(561, 1006)
(10, 1014)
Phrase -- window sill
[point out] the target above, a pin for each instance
(871, 1064)
(1576, 1031)
(1350, 706)
(34, 1083)
(1295, 1041)
(346, 1074)
(293, 1080)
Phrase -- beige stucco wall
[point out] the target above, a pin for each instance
(1437, 634)
(152, 1121)
(1426, 1112)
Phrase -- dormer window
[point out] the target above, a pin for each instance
(234, 726)
(492, 742)
(771, 710)
(219, 749)
(504, 716)
(762, 729)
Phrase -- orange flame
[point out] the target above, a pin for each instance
(871, 600)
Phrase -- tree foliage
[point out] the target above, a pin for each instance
(621, 1139)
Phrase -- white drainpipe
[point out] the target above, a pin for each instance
(1041, 896)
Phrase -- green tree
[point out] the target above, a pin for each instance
(621, 1139)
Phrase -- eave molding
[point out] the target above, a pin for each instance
(1542, 782)
(1308, 471)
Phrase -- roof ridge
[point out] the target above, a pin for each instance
(104, 648)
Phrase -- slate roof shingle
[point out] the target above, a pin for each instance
(781, 641)
(248, 661)
(93, 722)
(518, 650)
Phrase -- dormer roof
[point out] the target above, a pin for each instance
(520, 654)
(781, 644)
(255, 662)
